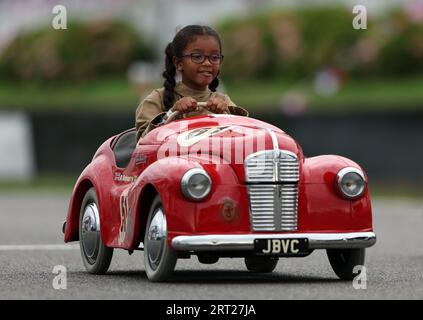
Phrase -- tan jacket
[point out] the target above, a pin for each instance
(151, 110)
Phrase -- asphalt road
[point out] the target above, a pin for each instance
(394, 266)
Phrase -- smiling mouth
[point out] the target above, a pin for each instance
(206, 73)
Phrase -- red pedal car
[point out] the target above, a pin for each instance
(218, 186)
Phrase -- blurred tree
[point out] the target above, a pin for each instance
(403, 53)
(82, 52)
(300, 43)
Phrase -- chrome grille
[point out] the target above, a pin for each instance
(288, 196)
(260, 168)
(262, 207)
(272, 166)
(272, 183)
(289, 170)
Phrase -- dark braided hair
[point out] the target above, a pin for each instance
(175, 49)
(214, 84)
(169, 75)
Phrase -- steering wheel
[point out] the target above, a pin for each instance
(177, 114)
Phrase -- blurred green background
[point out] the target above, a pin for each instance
(274, 51)
(285, 59)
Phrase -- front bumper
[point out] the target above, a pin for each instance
(245, 242)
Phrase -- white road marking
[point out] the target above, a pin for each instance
(36, 247)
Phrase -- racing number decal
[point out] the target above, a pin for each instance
(191, 137)
(123, 208)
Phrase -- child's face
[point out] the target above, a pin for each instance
(199, 75)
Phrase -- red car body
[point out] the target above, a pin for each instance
(218, 144)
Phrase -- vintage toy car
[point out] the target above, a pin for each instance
(217, 186)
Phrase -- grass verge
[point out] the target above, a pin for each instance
(257, 96)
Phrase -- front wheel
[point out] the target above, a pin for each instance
(95, 255)
(159, 258)
(343, 261)
(261, 264)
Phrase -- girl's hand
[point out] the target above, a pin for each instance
(185, 105)
(217, 105)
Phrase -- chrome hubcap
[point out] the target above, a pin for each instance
(90, 232)
(157, 235)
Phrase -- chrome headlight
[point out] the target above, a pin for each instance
(196, 184)
(351, 182)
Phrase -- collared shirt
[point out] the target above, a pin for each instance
(151, 110)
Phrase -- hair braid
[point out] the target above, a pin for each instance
(214, 84)
(169, 75)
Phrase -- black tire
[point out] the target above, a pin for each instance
(261, 264)
(343, 261)
(98, 261)
(159, 258)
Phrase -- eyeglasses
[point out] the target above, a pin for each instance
(200, 58)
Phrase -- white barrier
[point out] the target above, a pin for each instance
(17, 162)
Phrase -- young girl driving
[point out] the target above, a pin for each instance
(196, 53)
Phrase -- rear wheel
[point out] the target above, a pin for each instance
(343, 261)
(261, 264)
(95, 255)
(159, 258)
